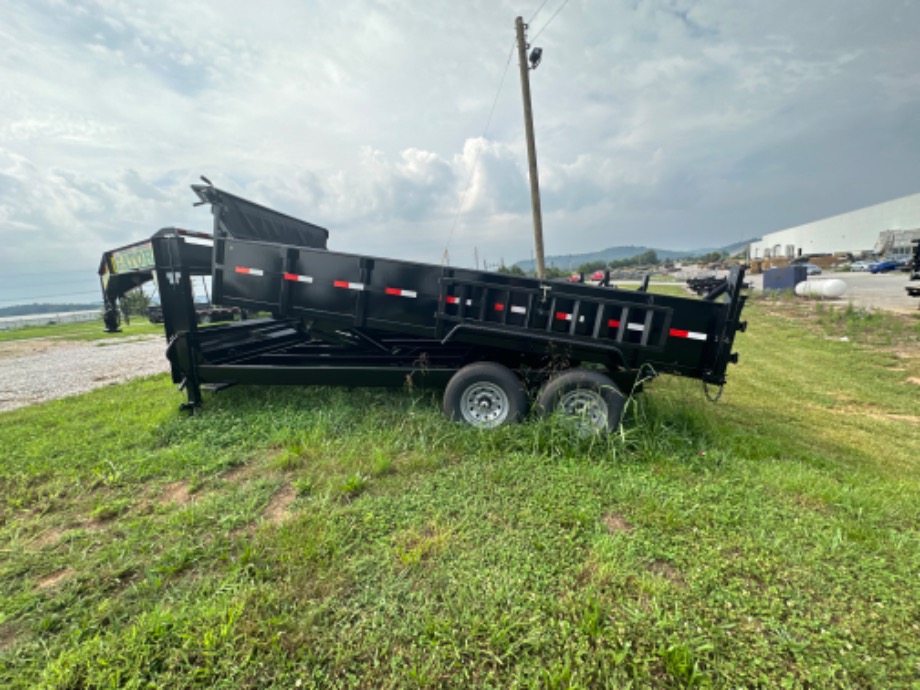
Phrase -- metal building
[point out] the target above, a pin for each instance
(879, 229)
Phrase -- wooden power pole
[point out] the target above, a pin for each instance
(531, 147)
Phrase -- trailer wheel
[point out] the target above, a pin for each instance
(589, 397)
(485, 395)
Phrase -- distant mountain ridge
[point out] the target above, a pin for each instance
(36, 308)
(573, 261)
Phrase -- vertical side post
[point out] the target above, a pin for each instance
(531, 148)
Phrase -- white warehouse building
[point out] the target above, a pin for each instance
(885, 228)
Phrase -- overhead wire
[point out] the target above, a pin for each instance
(537, 35)
(489, 120)
(485, 130)
(57, 296)
(5, 284)
(42, 273)
(542, 5)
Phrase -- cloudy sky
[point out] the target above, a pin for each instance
(669, 123)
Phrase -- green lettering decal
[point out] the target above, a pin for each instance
(134, 259)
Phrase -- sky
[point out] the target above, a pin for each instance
(398, 124)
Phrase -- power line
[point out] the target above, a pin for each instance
(542, 5)
(476, 158)
(44, 273)
(56, 296)
(565, 2)
(45, 283)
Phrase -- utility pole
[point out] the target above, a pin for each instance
(531, 145)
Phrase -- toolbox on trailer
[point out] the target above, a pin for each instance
(493, 341)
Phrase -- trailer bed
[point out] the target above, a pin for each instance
(493, 341)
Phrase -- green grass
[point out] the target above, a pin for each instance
(88, 330)
(333, 538)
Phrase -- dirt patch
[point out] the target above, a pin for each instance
(7, 637)
(240, 473)
(614, 522)
(35, 346)
(914, 380)
(667, 571)
(911, 418)
(47, 538)
(55, 578)
(177, 493)
(277, 509)
(854, 411)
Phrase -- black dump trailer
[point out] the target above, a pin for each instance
(495, 343)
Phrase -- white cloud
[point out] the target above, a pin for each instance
(692, 123)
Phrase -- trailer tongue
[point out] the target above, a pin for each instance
(494, 342)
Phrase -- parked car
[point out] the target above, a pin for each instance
(812, 269)
(884, 266)
(862, 265)
(204, 313)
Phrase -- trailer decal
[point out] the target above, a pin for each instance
(401, 293)
(250, 271)
(298, 278)
(348, 286)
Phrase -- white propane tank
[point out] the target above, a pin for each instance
(833, 287)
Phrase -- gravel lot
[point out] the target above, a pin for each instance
(882, 291)
(42, 369)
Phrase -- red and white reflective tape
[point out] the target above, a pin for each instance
(456, 300)
(613, 323)
(401, 293)
(518, 310)
(499, 306)
(674, 332)
(297, 278)
(348, 286)
(250, 271)
(692, 335)
(562, 316)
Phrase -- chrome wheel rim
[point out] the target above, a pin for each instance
(586, 408)
(484, 405)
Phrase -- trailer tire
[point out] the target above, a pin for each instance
(485, 395)
(589, 397)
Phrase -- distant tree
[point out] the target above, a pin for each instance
(591, 267)
(511, 270)
(553, 272)
(135, 302)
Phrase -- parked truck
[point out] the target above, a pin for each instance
(496, 344)
(913, 267)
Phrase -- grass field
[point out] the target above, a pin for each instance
(88, 330)
(333, 538)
